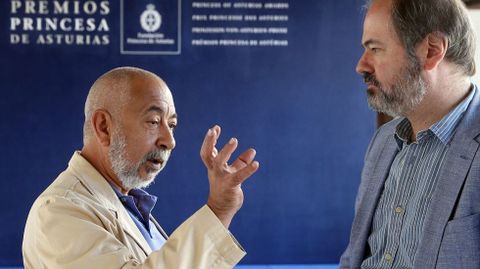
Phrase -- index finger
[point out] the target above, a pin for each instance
(209, 142)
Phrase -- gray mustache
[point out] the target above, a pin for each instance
(370, 78)
(158, 155)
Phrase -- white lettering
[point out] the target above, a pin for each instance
(79, 25)
(43, 7)
(30, 7)
(60, 39)
(76, 7)
(28, 24)
(90, 7)
(69, 39)
(64, 26)
(204, 42)
(14, 22)
(15, 6)
(14, 39)
(38, 24)
(91, 25)
(41, 40)
(19, 39)
(104, 7)
(199, 17)
(51, 24)
(248, 5)
(60, 8)
(96, 40)
(105, 40)
(276, 6)
(206, 5)
(103, 26)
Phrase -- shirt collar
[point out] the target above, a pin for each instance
(443, 129)
(138, 202)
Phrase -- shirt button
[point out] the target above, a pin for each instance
(388, 257)
(398, 210)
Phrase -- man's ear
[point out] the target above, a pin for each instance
(102, 126)
(432, 50)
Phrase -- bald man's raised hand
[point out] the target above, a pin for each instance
(226, 195)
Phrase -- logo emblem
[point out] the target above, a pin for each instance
(150, 27)
(150, 20)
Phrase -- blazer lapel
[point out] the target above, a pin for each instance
(131, 228)
(102, 190)
(375, 179)
(452, 176)
(458, 160)
(160, 229)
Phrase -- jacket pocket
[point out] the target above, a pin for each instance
(460, 247)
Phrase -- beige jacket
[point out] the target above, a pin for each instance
(79, 223)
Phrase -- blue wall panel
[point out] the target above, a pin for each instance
(301, 106)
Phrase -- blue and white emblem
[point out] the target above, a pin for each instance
(150, 20)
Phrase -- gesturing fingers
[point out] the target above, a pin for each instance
(226, 152)
(216, 133)
(217, 161)
(208, 151)
(240, 176)
(226, 195)
(244, 159)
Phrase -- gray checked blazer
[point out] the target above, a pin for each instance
(451, 235)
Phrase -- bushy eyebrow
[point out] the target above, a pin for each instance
(371, 42)
(159, 110)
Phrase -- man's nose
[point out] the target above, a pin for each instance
(363, 65)
(165, 138)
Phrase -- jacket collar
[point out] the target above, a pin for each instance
(458, 160)
(99, 187)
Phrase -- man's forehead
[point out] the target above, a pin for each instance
(161, 104)
(163, 109)
(378, 22)
(375, 4)
(150, 95)
(378, 11)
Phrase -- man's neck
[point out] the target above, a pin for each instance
(439, 100)
(103, 167)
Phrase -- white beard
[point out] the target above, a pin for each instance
(402, 97)
(127, 172)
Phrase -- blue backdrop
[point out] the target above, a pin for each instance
(300, 104)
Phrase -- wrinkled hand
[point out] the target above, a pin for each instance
(226, 195)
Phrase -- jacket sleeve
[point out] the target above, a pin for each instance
(345, 258)
(63, 234)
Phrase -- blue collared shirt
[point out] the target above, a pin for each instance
(139, 205)
(397, 225)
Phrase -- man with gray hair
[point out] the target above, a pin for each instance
(96, 213)
(418, 202)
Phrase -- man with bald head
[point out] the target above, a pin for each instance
(96, 213)
(418, 202)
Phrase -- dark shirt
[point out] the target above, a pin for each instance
(139, 205)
